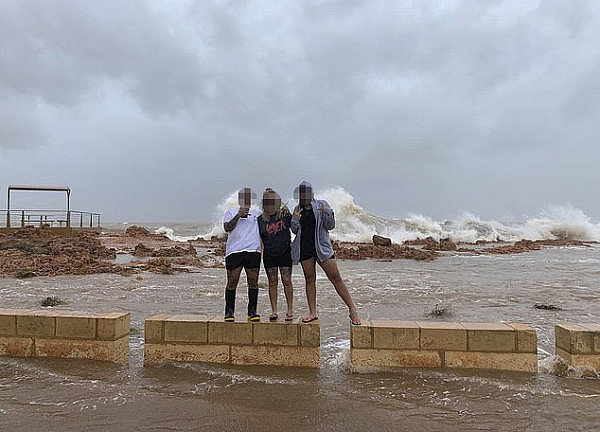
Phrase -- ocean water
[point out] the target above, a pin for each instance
(58, 394)
(355, 224)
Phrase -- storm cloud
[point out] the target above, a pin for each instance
(158, 110)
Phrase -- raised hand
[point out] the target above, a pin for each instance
(243, 212)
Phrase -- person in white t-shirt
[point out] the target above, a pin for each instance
(242, 251)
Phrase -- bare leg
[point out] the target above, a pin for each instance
(309, 269)
(333, 274)
(252, 277)
(273, 281)
(233, 278)
(286, 278)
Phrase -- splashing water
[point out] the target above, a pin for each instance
(355, 224)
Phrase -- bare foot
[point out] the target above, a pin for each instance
(354, 319)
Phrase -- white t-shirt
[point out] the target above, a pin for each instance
(245, 237)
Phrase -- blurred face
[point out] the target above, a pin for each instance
(304, 195)
(271, 204)
(245, 198)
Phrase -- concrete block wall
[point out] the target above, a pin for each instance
(68, 334)
(197, 338)
(578, 344)
(386, 344)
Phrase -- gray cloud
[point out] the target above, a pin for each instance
(159, 110)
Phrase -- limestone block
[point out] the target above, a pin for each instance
(310, 334)
(595, 328)
(522, 362)
(220, 332)
(366, 360)
(75, 327)
(186, 328)
(113, 351)
(153, 328)
(442, 336)
(16, 347)
(113, 325)
(362, 336)
(580, 360)
(164, 353)
(573, 338)
(36, 324)
(274, 333)
(276, 356)
(8, 324)
(490, 337)
(526, 337)
(395, 334)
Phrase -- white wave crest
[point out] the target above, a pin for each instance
(354, 224)
(170, 234)
(562, 222)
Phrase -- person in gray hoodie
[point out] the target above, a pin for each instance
(311, 223)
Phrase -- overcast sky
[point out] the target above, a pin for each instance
(156, 111)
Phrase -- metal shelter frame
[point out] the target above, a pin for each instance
(39, 189)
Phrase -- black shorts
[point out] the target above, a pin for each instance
(284, 260)
(249, 260)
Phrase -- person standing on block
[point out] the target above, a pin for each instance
(274, 228)
(311, 223)
(242, 251)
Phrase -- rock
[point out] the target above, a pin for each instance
(141, 250)
(447, 245)
(357, 251)
(381, 241)
(136, 231)
(431, 244)
(29, 252)
(175, 251)
(545, 306)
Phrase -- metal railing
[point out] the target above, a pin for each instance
(15, 218)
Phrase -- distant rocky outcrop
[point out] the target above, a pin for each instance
(430, 243)
(141, 250)
(358, 251)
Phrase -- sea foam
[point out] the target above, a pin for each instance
(355, 224)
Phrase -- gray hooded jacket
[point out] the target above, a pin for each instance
(325, 221)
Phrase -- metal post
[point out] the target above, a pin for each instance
(80, 220)
(8, 210)
(22, 218)
(68, 207)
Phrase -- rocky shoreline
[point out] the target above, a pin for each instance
(32, 252)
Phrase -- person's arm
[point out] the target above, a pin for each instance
(288, 219)
(261, 229)
(327, 215)
(231, 224)
(295, 221)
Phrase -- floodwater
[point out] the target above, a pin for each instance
(57, 394)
